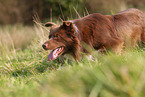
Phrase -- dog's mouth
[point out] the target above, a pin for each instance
(55, 53)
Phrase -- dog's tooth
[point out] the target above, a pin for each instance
(55, 51)
(59, 50)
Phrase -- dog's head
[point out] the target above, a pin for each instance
(62, 39)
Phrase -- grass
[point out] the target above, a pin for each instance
(26, 73)
(15, 37)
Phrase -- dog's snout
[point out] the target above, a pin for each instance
(44, 46)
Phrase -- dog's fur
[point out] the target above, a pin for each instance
(100, 32)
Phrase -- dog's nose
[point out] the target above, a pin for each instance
(44, 46)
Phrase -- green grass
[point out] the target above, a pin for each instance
(26, 72)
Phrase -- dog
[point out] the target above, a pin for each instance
(100, 32)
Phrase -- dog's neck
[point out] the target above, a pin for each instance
(76, 28)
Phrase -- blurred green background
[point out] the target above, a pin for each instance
(22, 11)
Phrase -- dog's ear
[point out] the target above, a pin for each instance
(70, 28)
(67, 23)
(50, 24)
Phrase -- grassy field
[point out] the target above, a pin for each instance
(25, 72)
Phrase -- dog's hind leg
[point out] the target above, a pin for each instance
(118, 48)
(116, 45)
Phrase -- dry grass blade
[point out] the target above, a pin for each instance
(87, 11)
(77, 13)
(61, 11)
(50, 14)
(61, 19)
(37, 20)
(12, 42)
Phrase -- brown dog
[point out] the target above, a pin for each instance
(98, 31)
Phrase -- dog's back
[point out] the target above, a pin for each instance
(107, 31)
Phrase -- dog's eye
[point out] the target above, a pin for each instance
(49, 36)
(56, 36)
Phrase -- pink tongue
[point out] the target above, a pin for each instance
(51, 56)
